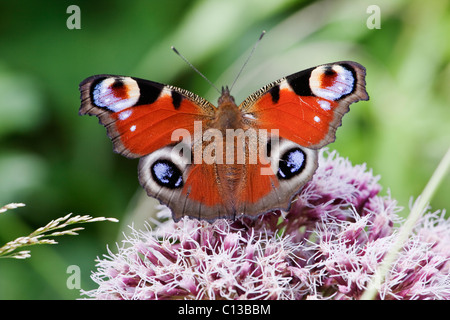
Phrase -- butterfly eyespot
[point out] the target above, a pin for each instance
(291, 163)
(332, 82)
(167, 174)
(116, 94)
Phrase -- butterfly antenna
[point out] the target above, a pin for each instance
(195, 69)
(249, 56)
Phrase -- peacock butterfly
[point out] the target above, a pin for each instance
(212, 162)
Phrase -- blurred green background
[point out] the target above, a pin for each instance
(57, 162)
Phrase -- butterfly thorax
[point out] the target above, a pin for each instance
(226, 97)
(227, 115)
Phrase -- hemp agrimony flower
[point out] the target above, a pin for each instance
(328, 246)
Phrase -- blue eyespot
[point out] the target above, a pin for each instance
(167, 174)
(291, 163)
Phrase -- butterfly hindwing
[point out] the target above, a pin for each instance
(187, 188)
(273, 188)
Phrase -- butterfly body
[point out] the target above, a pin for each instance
(213, 162)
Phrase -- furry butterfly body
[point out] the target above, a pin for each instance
(212, 162)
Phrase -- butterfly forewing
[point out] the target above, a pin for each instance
(140, 115)
(307, 107)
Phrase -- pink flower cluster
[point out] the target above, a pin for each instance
(327, 246)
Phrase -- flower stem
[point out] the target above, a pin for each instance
(417, 210)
